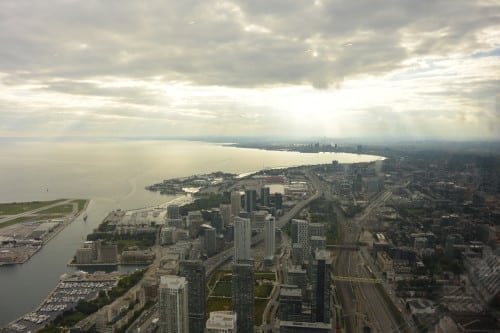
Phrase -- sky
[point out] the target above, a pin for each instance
(324, 68)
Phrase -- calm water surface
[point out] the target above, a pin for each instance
(112, 175)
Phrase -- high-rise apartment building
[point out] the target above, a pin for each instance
(265, 195)
(290, 303)
(173, 212)
(208, 240)
(235, 203)
(300, 234)
(242, 239)
(278, 200)
(316, 229)
(321, 289)
(317, 243)
(194, 272)
(225, 212)
(107, 252)
(269, 238)
(216, 220)
(243, 290)
(173, 304)
(250, 200)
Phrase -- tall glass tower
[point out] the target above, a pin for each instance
(173, 304)
(194, 272)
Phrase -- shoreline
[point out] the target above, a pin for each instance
(71, 278)
(66, 223)
(68, 219)
(180, 200)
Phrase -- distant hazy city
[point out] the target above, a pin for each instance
(406, 243)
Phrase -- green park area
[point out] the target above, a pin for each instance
(61, 209)
(222, 289)
(220, 292)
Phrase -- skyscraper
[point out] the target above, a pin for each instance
(208, 240)
(216, 220)
(321, 290)
(194, 272)
(265, 193)
(269, 239)
(278, 201)
(242, 239)
(250, 200)
(235, 203)
(300, 234)
(225, 212)
(242, 290)
(173, 212)
(173, 304)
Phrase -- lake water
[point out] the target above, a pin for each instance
(112, 174)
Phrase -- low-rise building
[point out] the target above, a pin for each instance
(221, 322)
(385, 262)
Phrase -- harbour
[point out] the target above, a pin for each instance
(66, 295)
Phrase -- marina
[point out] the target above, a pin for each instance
(68, 292)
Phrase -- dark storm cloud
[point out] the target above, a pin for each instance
(239, 43)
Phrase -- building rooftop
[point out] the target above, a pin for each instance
(172, 281)
(291, 292)
(305, 324)
(221, 319)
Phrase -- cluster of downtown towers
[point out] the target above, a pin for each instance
(182, 298)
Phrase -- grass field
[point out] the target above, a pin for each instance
(62, 209)
(258, 311)
(264, 290)
(222, 288)
(219, 299)
(14, 221)
(56, 212)
(81, 204)
(218, 304)
(14, 208)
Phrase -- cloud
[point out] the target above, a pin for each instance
(181, 65)
(84, 40)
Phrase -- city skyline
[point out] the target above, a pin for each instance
(250, 68)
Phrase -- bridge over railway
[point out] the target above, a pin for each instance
(355, 279)
(351, 247)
